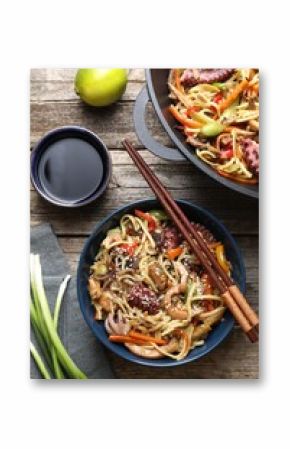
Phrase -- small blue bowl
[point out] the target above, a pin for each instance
(193, 212)
(72, 132)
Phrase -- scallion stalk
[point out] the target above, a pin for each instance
(46, 323)
(56, 365)
(39, 362)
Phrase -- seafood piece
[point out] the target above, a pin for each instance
(170, 238)
(152, 353)
(144, 298)
(116, 324)
(190, 77)
(106, 302)
(251, 154)
(158, 276)
(204, 328)
(94, 289)
(174, 308)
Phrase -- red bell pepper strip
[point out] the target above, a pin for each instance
(218, 98)
(147, 217)
(226, 154)
(129, 247)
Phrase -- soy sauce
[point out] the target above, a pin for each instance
(70, 169)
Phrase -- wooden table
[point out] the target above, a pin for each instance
(53, 104)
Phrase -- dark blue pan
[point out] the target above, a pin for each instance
(157, 91)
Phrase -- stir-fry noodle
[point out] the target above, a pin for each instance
(151, 291)
(218, 112)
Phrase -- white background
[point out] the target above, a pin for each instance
(173, 414)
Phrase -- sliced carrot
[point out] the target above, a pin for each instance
(238, 178)
(255, 88)
(125, 339)
(192, 110)
(182, 119)
(174, 252)
(147, 338)
(233, 95)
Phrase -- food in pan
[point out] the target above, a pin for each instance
(218, 112)
(151, 291)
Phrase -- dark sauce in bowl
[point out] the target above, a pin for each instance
(70, 169)
(70, 166)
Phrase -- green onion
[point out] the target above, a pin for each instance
(39, 361)
(220, 86)
(159, 214)
(42, 343)
(47, 326)
(57, 368)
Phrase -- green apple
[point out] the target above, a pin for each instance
(100, 87)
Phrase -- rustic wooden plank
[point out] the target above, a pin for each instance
(127, 186)
(54, 104)
(63, 91)
(61, 74)
(83, 222)
(112, 124)
(175, 177)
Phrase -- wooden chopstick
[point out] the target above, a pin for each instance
(244, 314)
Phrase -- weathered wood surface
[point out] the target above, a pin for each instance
(53, 104)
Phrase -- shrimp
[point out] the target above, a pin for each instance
(152, 353)
(177, 312)
(105, 301)
(94, 289)
(209, 321)
(104, 298)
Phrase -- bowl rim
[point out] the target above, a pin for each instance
(128, 355)
(74, 129)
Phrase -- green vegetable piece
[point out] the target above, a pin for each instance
(212, 129)
(220, 86)
(188, 288)
(100, 269)
(114, 231)
(47, 324)
(159, 214)
(39, 362)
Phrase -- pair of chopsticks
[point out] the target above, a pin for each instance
(231, 294)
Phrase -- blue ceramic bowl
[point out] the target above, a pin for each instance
(58, 134)
(193, 212)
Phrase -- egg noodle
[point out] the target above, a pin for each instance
(175, 305)
(218, 119)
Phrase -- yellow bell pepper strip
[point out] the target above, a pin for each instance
(220, 255)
